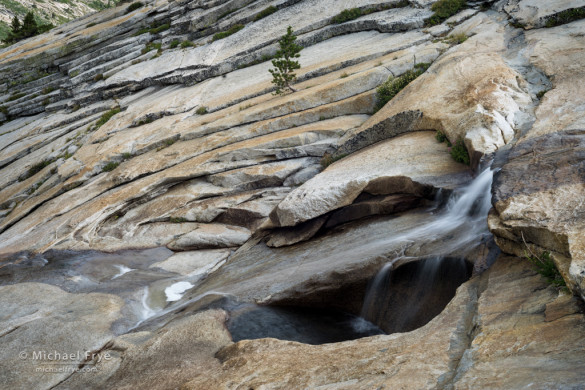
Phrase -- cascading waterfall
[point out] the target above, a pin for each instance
(463, 220)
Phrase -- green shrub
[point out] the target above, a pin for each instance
(161, 28)
(232, 30)
(177, 220)
(459, 152)
(566, 16)
(126, 156)
(109, 167)
(201, 110)
(152, 46)
(546, 267)
(265, 12)
(441, 137)
(186, 44)
(106, 117)
(36, 168)
(444, 9)
(392, 86)
(98, 77)
(134, 7)
(174, 43)
(347, 15)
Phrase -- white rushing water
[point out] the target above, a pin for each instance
(123, 270)
(463, 220)
(175, 291)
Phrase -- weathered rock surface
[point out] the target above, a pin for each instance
(481, 331)
(414, 164)
(225, 181)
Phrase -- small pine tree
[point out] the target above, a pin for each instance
(15, 25)
(283, 75)
(29, 26)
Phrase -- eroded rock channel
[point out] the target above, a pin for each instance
(160, 207)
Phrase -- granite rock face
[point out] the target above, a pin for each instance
(150, 182)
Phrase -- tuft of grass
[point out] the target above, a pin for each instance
(152, 46)
(159, 29)
(134, 7)
(75, 73)
(47, 90)
(344, 75)
(456, 39)
(127, 156)
(265, 12)
(201, 110)
(232, 30)
(459, 152)
(177, 220)
(444, 9)
(109, 167)
(15, 96)
(106, 117)
(170, 141)
(392, 86)
(546, 267)
(98, 77)
(46, 101)
(186, 44)
(347, 15)
(566, 16)
(174, 43)
(36, 168)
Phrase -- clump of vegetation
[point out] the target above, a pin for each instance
(185, 44)
(109, 167)
(392, 86)
(174, 43)
(75, 73)
(126, 155)
(347, 15)
(283, 75)
(106, 117)
(441, 137)
(201, 110)
(90, 25)
(566, 16)
(36, 168)
(541, 94)
(224, 34)
(459, 152)
(159, 29)
(134, 7)
(152, 46)
(265, 12)
(46, 101)
(98, 77)
(15, 96)
(28, 28)
(47, 90)
(444, 9)
(456, 39)
(546, 267)
(177, 220)
(153, 29)
(344, 75)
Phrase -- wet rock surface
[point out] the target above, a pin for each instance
(205, 200)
